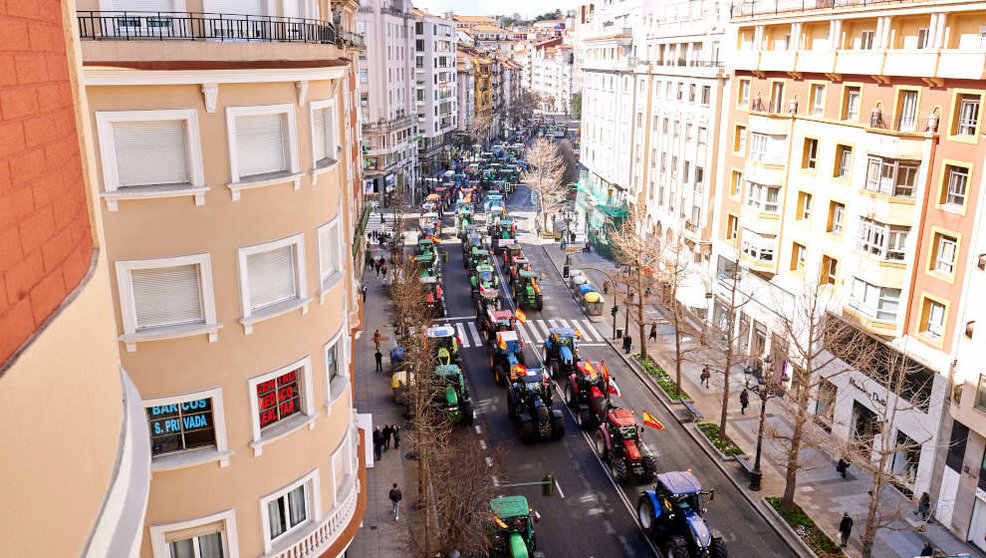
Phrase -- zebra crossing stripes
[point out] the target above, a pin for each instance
(534, 332)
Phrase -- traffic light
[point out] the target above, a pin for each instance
(613, 311)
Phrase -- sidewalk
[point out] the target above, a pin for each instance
(379, 535)
(822, 493)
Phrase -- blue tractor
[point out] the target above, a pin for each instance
(561, 351)
(671, 514)
(506, 353)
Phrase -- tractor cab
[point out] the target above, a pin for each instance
(530, 407)
(561, 351)
(494, 321)
(512, 528)
(486, 299)
(505, 228)
(434, 298)
(587, 392)
(446, 343)
(506, 357)
(428, 263)
(425, 246)
(511, 250)
(493, 200)
(453, 394)
(477, 257)
(618, 444)
(472, 241)
(518, 264)
(527, 293)
(483, 277)
(672, 514)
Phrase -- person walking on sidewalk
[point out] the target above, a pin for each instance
(387, 431)
(653, 333)
(383, 271)
(377, 444)
(378, 356)
(627, 343)
(362, 291)
(924, 504)
(395, 498)
(397, 436)
(845, 529)
(842, 466)
(744, 401)
(928, 550)
(377, 338)
(704, 377)
(376, 266)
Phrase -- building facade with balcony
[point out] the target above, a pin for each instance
(227, 162)
(853, 165)
(436, 81)
(552, 73)
(465, 88)
(387, 92)
(76, 474)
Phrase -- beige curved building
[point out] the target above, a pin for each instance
(225, 159)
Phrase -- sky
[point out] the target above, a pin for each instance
(526, 8)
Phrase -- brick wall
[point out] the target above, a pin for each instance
(45, 239)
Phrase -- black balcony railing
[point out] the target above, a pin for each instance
(193, 26)
(348, 38)
(690, 63)
(763, 7)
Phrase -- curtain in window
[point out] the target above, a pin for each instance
(272, 277)
(182, 549)
(275, 518)
(296, 501)
(322, 136)
(260, 144)
(167, 296)
(211, 546)
(150, 152)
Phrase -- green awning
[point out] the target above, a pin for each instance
(612, 210)
(360, 229)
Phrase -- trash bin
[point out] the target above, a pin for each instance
(619, 333)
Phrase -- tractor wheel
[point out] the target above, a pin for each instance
(499, 376)
(569, 396)
(600, 445)
(540, 306)
(678, 547)
(645, 514)
(618, 468)
(527, 433)
(650, 468)
(557, 427)
(468, 413)
(718, 548)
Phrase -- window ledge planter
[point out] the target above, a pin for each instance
(170, 332)
(154, 192)
(274, 311)
(262, 180)
(278, 431)
(190, 458)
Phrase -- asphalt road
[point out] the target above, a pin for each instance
(588, 516)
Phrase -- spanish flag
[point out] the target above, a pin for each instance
(652, 422)
(521, 369)
(591, 370)
(500, 343)
(499, 523)
(520, 315)
(534, 284)
(605, 372)
(612, 388)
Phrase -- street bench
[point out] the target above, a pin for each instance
(744, 464)
(695, 413)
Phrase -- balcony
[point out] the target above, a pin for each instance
(859, 62)
(387, 125)
(319, 538)
(195, 26)
(778, 60)
(682, 67)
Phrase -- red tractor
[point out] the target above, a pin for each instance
(618, 444)
(587, 394)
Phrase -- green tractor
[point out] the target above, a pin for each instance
(477, 257)
(483, 278)
(452, 397)
(512, 529)
(526, 292)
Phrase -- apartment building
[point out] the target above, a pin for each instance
(552, 72)
(492, 37)
(388, 94)
(436, 81)
(852, 159)
(679, 83)
(465, 87)
(76, 474)
(228, 179)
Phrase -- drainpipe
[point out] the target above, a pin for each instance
(929, 191)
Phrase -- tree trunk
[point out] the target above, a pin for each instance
(725, 387)
(640, 313)
(677, 341)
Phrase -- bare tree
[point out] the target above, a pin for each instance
(543, 176)
(569, 162)
(479, 130)
(896, 384)
(673, 263)
(465, 487)
(636, 250)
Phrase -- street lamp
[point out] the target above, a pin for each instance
(764, 392)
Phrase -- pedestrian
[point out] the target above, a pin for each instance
(653, 332)
(379, 358)
(706, 374)
(362, 291)
(928, 550)
(387, 432)
(845, 529)
(395, 498)
(376, 266)
(383, 270)
(744, 401)
(924, 503)
(369, 259)
(397, 436)
(377, 338)
(627, 343)
(377, 443)
(842, 466)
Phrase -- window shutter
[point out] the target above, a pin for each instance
(260, 144)
(144, 5)
(271, 276)
(196, 531)
(167, 296)
(318, 135)
(239, 7)
(150, 152)
(328, 251)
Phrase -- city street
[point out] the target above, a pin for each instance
(588, 516)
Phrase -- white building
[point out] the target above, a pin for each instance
(552, 72)
(387, 93)
(435, 87)
(465, 91)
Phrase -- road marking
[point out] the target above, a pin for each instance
(462, 335)
(593, 334)
(489, 461)
(535, 334)
(482, 444)
(564, 323)
(544, 326)
(593, 344)
(478, 429)
(558, 487)
(524, 334)
(475, 333)
(553, 323)
(458, 318)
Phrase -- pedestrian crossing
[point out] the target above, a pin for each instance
(533, 332)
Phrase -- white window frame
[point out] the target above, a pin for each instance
(954, 175)
(853, 96)
(198, 456)
(313, 501)
(349, 442)
(817, 99)
(870, 310)
(342, 341)
(867, 39)
(753, 245)
(942, 264)
(759, 146)
(838, 218)
(128, 310)
(113, 192)
(282, 428)
(965, 126)
(937, 330)
(329, 104)
(228, 517)
(293, 175)
(328, 282)
(250, 317)
(757, 198)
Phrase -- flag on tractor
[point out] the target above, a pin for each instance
(521, 370)
(499, 522)
(652, 422)
(591, 370)
(613, 388)
(500, 343)
(520, 315)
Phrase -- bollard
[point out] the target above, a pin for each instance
(548, 489)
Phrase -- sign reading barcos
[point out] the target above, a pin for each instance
(181, 426)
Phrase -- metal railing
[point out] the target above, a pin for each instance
(764, 7)
(348, 38)
(197, 26)
(904, 123)
(690, 63)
